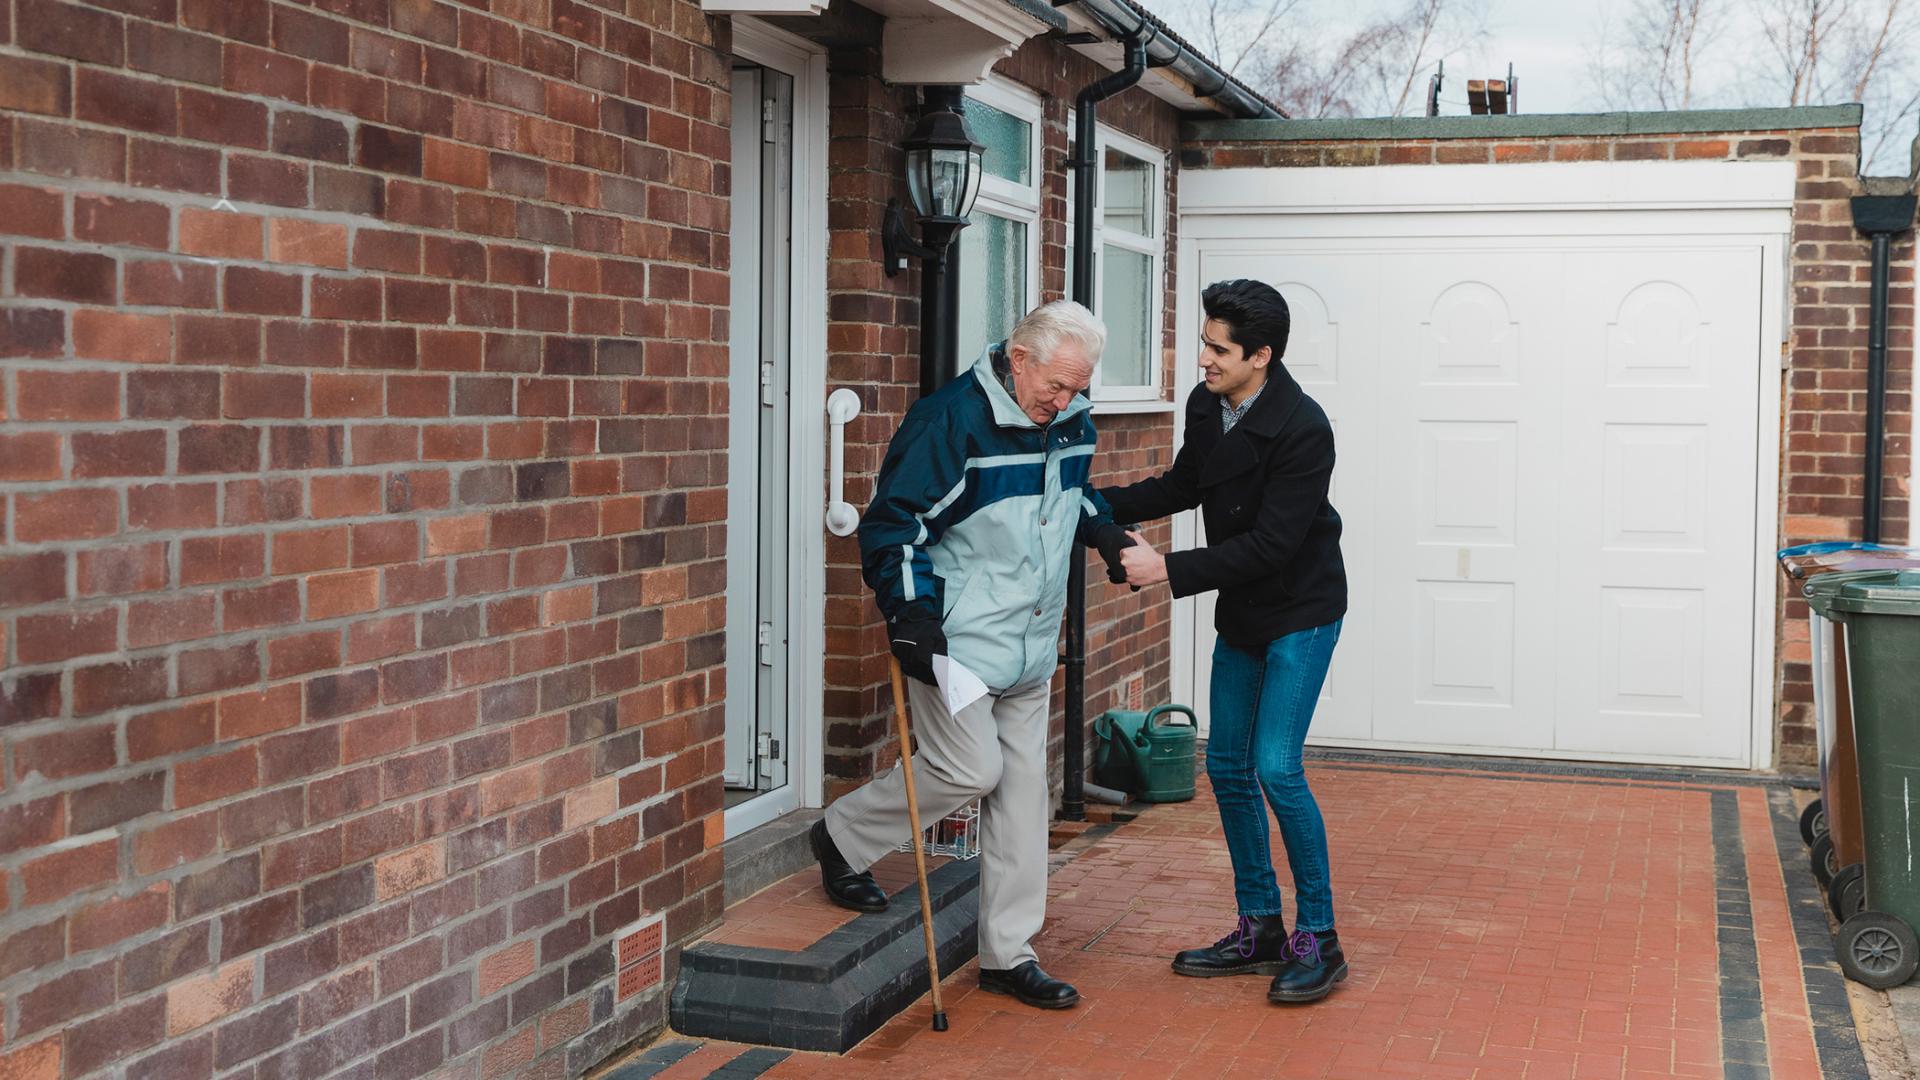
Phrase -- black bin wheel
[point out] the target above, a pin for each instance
(1847, 892)
(1825, 862)
(1813, 822)
(1877, 950)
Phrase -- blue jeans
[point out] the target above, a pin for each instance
(1261, 702)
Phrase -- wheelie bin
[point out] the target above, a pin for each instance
(1836, 850)
(1881, 621)
(1834, 847)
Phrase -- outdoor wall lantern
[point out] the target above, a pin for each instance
(943, 179)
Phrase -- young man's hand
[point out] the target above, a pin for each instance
(1143, 564)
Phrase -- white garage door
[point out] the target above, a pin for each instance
(1555, 445)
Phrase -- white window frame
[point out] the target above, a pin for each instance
(1005, 199)
(1146, 398)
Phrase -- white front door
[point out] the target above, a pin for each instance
(1551, 454)
(758, 628)
(775, 558)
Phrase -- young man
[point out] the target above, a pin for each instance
(1257, 461)
(981, 504)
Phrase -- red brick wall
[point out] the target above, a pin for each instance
(1824, 398)
(361, 594)
(874, 346)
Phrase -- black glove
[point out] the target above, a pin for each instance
(917, 637)
(1112, 540)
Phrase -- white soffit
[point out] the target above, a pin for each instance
(924, 42)
(949, 42)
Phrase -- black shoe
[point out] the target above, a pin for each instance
(1258, 946)
(1030, 986)
(1315, 964)
(844, 887)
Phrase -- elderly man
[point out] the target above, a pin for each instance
(980, 507)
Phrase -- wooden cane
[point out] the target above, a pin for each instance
(919, 849)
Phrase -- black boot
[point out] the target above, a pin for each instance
(844, 887)
(1257, 946)
(1315, 963)
(1030, 986)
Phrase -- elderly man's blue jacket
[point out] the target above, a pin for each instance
(978, 512)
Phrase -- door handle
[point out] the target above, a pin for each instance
(842, 406)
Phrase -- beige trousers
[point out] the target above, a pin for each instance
(994, 750)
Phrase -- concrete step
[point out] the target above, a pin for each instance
(787, 968)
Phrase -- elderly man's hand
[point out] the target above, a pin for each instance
(1144, 565)
(1112, 540)
(916, 637)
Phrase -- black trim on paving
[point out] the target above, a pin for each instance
(652, 1061)
(1834, 1035)
(1743, 1024)
(1456, 763)
(836, 991)
(750, 1064)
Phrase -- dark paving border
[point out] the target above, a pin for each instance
(652, 1061)
(1743, 1035)
(1743, 1024)
(660, 1057)
(1456, 763)
(1833, 1032)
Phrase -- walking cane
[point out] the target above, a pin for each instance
(919, 849)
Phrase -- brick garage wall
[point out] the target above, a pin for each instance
(1824, 388)
(873, 346)
(361, 593)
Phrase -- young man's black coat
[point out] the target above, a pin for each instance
(1273, 539)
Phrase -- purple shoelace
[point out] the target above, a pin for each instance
(1304, 945)
(1241, 938)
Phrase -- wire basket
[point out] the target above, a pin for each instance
(956, 836)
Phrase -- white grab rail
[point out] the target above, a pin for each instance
(842, 406)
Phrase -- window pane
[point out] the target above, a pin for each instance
(1008, 139)
(1126, 296)
(1129, 193)
(993, 282)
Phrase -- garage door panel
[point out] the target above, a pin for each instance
(1466, 491)
(1464, 429)
(1332, 350)
(1470, 337)
(1654, 495)
(1661, 408)
(1653, 654)
(1548, 452)
(1658, 336)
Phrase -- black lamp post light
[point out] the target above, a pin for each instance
(943, 178)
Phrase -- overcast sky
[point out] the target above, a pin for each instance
(1553, 45)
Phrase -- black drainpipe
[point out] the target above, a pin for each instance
(1880, 217)
(1085, 162)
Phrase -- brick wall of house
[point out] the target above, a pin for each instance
(873, 342)
(1824, 386)
(362, 367)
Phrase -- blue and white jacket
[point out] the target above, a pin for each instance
(980, 511)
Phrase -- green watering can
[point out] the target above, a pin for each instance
(1142, 753)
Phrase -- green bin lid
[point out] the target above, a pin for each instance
(1898, 596)
(1821, 591)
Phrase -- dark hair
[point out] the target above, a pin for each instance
(1254, 311)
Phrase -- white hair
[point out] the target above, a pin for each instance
(1046, 326)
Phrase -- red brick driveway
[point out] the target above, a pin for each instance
(1499, 923)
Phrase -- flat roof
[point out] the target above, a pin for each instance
(1526, 125)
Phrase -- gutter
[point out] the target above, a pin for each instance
(1128, 22)
(1881, 218)
(1073, 804)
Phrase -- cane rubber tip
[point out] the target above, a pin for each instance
(939, 1021)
